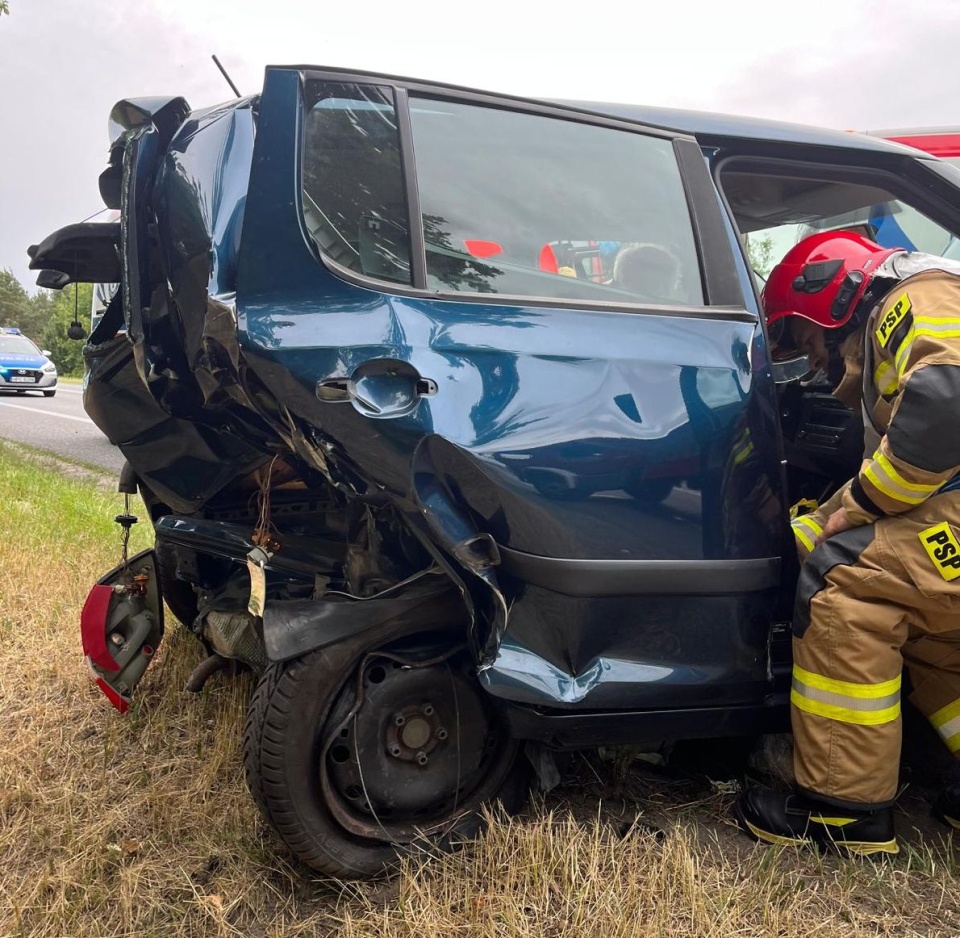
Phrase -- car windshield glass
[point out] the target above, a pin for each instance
(17, 344)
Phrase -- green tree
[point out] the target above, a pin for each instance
(4, 7)
(17, 307)
(760, 253)
(67, 353)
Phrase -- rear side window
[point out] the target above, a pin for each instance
(527, 205)
(512, 203)
(354, 202)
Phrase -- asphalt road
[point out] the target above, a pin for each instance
(59, 425)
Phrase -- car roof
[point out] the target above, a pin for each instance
(701, 124)
(706, 124)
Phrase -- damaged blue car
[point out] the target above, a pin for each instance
(457, 422)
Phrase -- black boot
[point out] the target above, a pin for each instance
(778, 818)
(946, 808)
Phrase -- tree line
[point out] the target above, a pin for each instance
(46, 317)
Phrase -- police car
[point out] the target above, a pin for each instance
(23, 367)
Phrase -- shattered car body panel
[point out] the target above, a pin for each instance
(493, 450)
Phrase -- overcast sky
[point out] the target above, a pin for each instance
(63, 63)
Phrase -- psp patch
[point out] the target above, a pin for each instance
(895, 316)
(941, 545)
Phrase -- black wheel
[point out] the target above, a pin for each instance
(357, 755)
(179, 596)
(49, 393)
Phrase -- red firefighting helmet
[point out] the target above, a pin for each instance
(822, 278)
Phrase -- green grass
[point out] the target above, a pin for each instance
(142, 826)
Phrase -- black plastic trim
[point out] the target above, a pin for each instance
(733, 313)
(591, 578)
(566, 730)
(293, 627)
(487, 98)
(418, 250)
(721, 281)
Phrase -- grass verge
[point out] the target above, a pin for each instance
(141, 825)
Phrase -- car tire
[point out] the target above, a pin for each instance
(49, 393)
(306, 732)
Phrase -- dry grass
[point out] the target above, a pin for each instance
(142, 826)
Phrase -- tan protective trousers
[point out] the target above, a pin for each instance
(869, 601)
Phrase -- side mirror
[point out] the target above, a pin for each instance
(52, 279)
(46, 351)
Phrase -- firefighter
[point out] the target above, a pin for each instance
(879, 587)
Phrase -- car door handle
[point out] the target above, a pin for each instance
(334, 389)
(381, 387)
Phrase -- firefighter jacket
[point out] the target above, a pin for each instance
(911, 397)
(911, 404)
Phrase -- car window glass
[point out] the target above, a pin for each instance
(529, 205)
(354, 203)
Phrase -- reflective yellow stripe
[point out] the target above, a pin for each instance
(891, 471)
(886, 385)
(907, 491)
(846, 701)
(889, 491)
(894, 485)
(803, 527)
(946, 721)
(844, 714)
(937, 326)
(945, 714)
(834, 821)
(903, 353)
(934, 320)
(868, 848)
(742, 454)
(776, 839)
(811, 524)
(848, 688)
